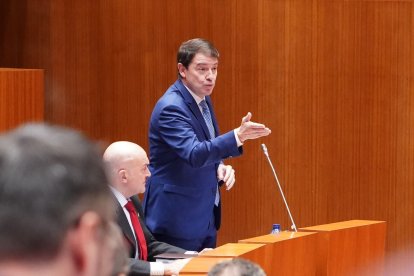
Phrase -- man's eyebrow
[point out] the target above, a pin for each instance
(202, 63)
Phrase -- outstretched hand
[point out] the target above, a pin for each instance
(251, 130)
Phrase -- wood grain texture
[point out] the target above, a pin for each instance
(201, 265)
(332, 79)
(291, 253)
(354, 247)
(21, 97)
(261, 254)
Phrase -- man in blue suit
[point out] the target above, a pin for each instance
(182, 202)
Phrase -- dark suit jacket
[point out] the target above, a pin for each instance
(139, 267)
(179, 199)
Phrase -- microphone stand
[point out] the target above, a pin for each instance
(280, 187)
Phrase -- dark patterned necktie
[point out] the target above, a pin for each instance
(209, 122)
(207, 118)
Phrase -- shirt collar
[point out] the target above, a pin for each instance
(196, 98)
(120, 197)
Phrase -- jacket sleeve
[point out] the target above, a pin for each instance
(138, 268)
(177, 129)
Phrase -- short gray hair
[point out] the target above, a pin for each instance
(236, 267)
(49, 177)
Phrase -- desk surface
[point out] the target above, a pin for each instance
(341, 225)
(271, 238)
(201, 265)
(231, 250)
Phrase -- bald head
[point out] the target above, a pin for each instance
(128, 167)
(122, 151)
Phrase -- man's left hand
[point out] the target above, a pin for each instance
(227, 174)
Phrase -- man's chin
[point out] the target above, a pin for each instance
(208, 92)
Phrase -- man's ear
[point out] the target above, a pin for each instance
(83, 242)
(123, 175)
(181, 70)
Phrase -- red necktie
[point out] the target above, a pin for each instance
(138, 231)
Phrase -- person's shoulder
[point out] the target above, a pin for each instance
(172, 97)
(174, 88)
(172, 101)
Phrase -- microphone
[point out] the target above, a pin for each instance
(293, 227)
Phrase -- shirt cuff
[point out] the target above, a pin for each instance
(239, 143)
(156, 268)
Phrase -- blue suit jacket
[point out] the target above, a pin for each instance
(180, 194)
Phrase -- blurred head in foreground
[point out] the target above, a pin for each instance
(236, 267)
(56, 212)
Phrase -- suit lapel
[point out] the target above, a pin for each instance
(189, 100)
(126, 229)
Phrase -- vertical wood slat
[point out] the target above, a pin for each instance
(333, 80)
(21, 97)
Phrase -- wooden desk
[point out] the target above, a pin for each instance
(349, 247)
(201, 265)
(234, 250)
(289, 253)
(342, 248)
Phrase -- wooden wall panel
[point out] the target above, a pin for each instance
(21, 97)
(333, 80)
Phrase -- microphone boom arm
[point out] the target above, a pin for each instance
(280, 187)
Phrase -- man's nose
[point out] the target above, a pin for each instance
(210, 75)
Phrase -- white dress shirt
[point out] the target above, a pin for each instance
(155, 268)
(198, 100)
